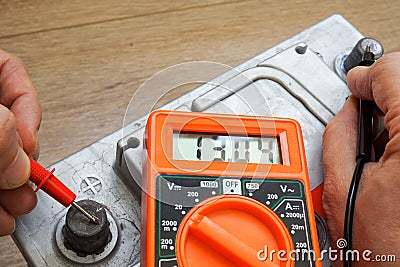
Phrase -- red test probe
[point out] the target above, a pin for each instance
(50, 184)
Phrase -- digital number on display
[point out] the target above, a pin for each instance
(226, 148)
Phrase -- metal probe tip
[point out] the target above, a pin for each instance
(368, 48)
(87, 214)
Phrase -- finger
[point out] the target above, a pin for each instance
(380, 83)
(18, 94)
(339, 153)
(14, 163)
(7, 222)
(19, 201)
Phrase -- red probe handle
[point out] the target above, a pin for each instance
(46, 181)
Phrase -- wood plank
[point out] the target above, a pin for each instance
(9, 253)
(27, 17)
(87, 58)
(85, 76)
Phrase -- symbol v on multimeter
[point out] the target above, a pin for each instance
(218, 188)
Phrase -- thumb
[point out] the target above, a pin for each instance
(380, 83)
(339, 154)
(14, 163)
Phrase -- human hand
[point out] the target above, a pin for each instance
(377, 216)
(20, 117)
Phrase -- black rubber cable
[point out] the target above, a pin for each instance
(364, 145)
(348, 220)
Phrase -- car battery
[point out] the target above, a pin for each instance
(302, 78)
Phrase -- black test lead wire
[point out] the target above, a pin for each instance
(364, 144)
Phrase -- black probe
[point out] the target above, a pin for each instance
(364, 145)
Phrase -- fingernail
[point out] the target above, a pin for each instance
(14, 225)
(18, 172)
(21, 144)
(35, 153)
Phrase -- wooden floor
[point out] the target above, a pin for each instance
(87, 58)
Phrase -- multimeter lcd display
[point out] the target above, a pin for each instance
(226, 148)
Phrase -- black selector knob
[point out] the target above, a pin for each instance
(356, 55)
(82, 235)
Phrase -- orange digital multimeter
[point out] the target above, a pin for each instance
(226, 190)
